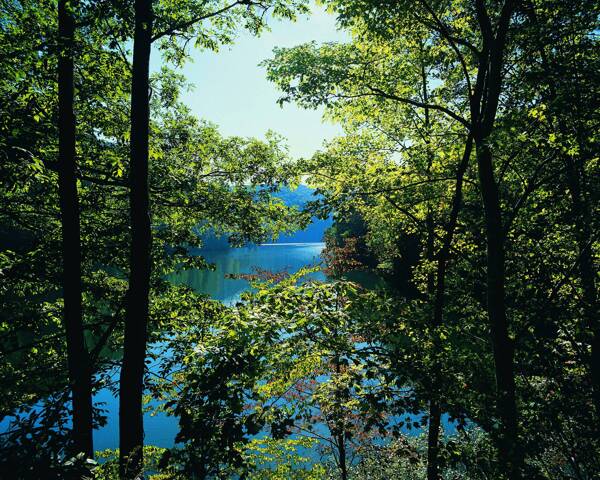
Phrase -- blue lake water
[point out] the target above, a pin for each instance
(160, 430)
(277, 257)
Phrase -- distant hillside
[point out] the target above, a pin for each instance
(299, 197)
(315, 231)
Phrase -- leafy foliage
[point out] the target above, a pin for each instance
(449, 108)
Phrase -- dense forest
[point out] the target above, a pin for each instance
(451, 329)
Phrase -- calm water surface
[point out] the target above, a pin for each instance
(161, 429)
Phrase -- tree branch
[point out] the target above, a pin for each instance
(378, 92)
(183, 25)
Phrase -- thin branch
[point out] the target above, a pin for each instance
(445, 32)
(183, 25)
(377, 91)
(408, 185)
(530, 187)
(419, 224)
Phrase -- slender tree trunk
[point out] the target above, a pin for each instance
(131, 428)
(443, 256)
(433, 439)
(340, 435)
(433, 432)
(342, 454)
(583, 221)
(77, 355)
(503, 348)
(484, 103)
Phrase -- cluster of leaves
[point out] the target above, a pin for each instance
(298, 381)
(234, 372)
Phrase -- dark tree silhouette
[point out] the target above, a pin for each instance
(131, 428)
(77, 356)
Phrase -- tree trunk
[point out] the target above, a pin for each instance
(503, 348)
(342, 454)
(583, 221)
(433, 439)
(131, 428)
(433, 432)
(77, 355)
(484, 106)
(435, 412)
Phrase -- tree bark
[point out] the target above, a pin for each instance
(443, 256)
(433, 439)
(342, 454)
(131, 428)
(77, 355)
(340, 436)
(484, 105)
(582, 220)
(433, 431)
(503, 348)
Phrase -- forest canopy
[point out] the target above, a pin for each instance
(449, 329)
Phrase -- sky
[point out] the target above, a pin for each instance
(232, 91)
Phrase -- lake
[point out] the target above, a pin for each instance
(160, 429)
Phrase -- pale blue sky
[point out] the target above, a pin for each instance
(232, 91)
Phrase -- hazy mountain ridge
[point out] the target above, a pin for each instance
(297, 197)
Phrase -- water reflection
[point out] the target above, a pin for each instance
(289, 257)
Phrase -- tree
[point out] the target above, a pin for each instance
(131, 428)
(169, 26)
(490, 79)
(474, 72)
(199, 181)
(568, 123)
(77, 354)
(48, 264)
